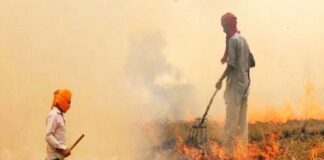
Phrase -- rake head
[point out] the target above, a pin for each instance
(198, 133)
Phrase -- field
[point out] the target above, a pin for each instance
(291, 140)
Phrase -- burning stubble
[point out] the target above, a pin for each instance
(86, 47)
(288, 136)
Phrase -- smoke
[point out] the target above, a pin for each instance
(161, 86)
(121, 74)
(7, 154)
(161, 91)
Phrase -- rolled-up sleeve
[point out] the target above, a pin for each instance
(232, 53)
(51, 126)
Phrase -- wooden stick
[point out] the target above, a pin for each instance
(208, 107)
(75, 143)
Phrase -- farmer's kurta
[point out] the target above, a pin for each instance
(55, 134)
(238, 80)
(236, 91)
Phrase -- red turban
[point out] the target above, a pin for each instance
(229, 21)
(62, 99)
(229, 24)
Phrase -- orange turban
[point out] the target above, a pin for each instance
(62, 99)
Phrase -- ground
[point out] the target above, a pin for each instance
(293, 140)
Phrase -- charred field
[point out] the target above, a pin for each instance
(290, 140)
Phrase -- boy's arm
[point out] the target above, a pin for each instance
(51, 126)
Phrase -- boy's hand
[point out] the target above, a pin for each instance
(65, 152)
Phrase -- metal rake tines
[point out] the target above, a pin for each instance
(198, 133)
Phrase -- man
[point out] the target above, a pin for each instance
(236, 55)
(55, 126)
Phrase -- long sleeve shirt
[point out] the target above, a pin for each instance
(55, 134)
(238, 80)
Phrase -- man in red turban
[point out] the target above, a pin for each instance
(236, 55)
(55, 126)
(229, 23)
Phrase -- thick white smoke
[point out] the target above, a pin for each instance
(163, 91)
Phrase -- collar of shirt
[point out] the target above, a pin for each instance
(58, 111)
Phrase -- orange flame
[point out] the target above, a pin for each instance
(309, 108)
(268, 150)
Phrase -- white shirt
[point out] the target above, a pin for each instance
(55, 134)
(238, 81)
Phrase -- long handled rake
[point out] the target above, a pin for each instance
(198, 131)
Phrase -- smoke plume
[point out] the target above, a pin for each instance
(162, 88)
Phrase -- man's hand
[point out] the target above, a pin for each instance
(218, 85)
(224, 59)
(64, 153)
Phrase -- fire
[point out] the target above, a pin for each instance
(315, 151)
(267, 150)
(292, 127)
(308, 108)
